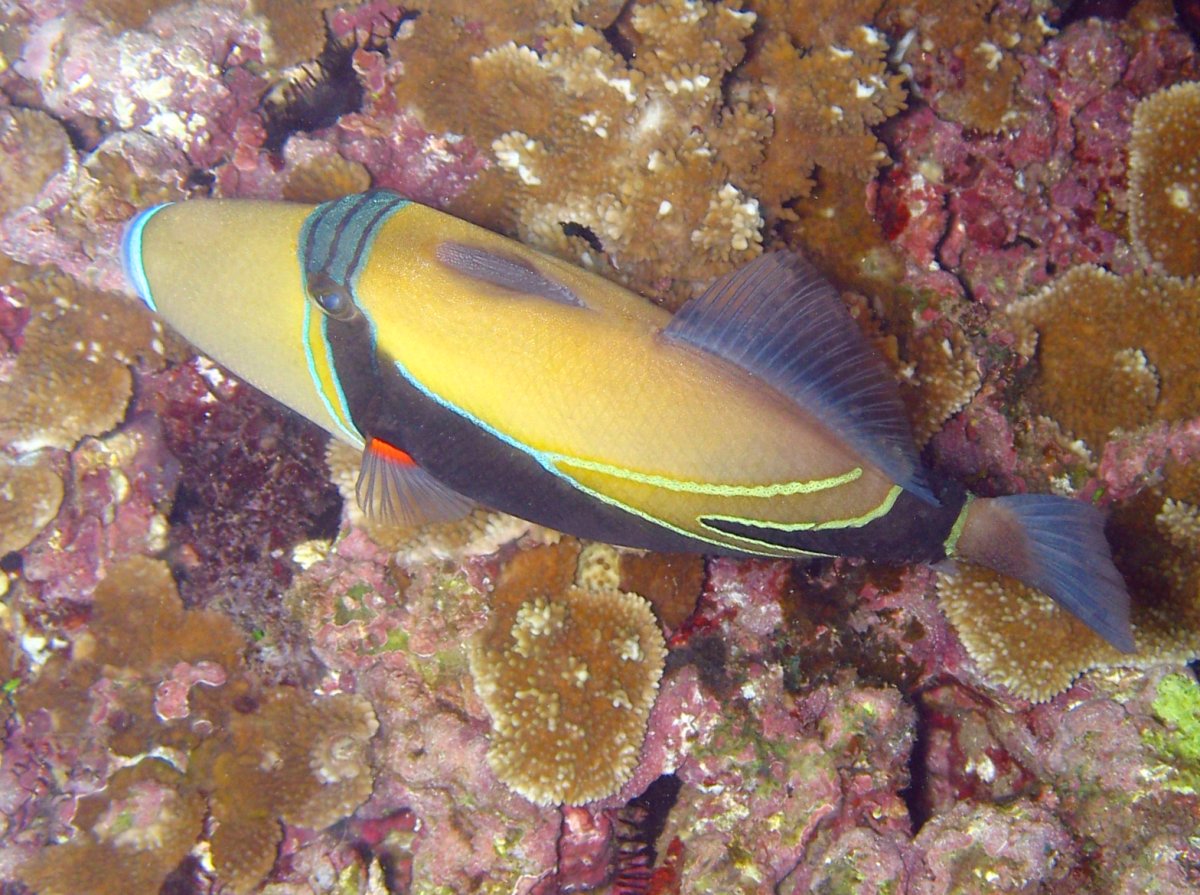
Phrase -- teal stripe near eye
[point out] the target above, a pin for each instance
(341, 413)
(334, 247)
(336, 239)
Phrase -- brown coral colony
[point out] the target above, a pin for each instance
(568, 675)
(171, 682)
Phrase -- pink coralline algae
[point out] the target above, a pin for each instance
(162, 80)
(116, 507)
(171, 697)
(399, 643)
(1008, 211)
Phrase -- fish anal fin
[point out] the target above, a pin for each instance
(779, 319)
(392, 488)
(510, 272)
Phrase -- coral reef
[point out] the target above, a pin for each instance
(1164, 179)
(823, 73)
(70, 376)
(658, 121)
(1103, 789)
(568, 675)
(138, 831)
(967, 67)
(817, 727)
(659, 129)
(1099, 333)
(165, 689)
(31, 492)
(397, 635)
(247, 465)
(117, 499)
(1019, 637)
(36, 147)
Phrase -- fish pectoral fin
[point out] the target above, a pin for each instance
(393, 489)
(509, 272)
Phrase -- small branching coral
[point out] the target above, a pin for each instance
(823, 70)
(152, 679)
(657, 124)
(653, 126)
(1164, 179)
(569, 676)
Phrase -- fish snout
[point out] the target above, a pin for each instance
(132, 261)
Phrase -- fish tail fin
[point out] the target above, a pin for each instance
(1057, 546)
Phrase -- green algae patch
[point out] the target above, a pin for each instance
(1178, 742)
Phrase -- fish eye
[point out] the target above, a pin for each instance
(331, 297)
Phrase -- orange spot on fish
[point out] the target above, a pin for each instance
(390, 453)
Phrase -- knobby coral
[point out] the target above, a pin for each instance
(652, 126)
(1103, 334)
(660, 123)
(568, 675)
(1164, 179)
(823, 70)
(71, 375)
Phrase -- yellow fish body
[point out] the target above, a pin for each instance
(757, 421)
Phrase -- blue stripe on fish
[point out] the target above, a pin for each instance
(131, 254)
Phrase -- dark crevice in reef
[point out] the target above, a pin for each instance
(914, 795)
(314, 96)
(619, 42)
(570, 228)
(639, 824)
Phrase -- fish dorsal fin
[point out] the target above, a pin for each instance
(780, 320)
(392, 488)
(506, 271)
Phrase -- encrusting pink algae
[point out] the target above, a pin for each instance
(218, 677)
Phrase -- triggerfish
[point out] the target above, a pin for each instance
(474, 370)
